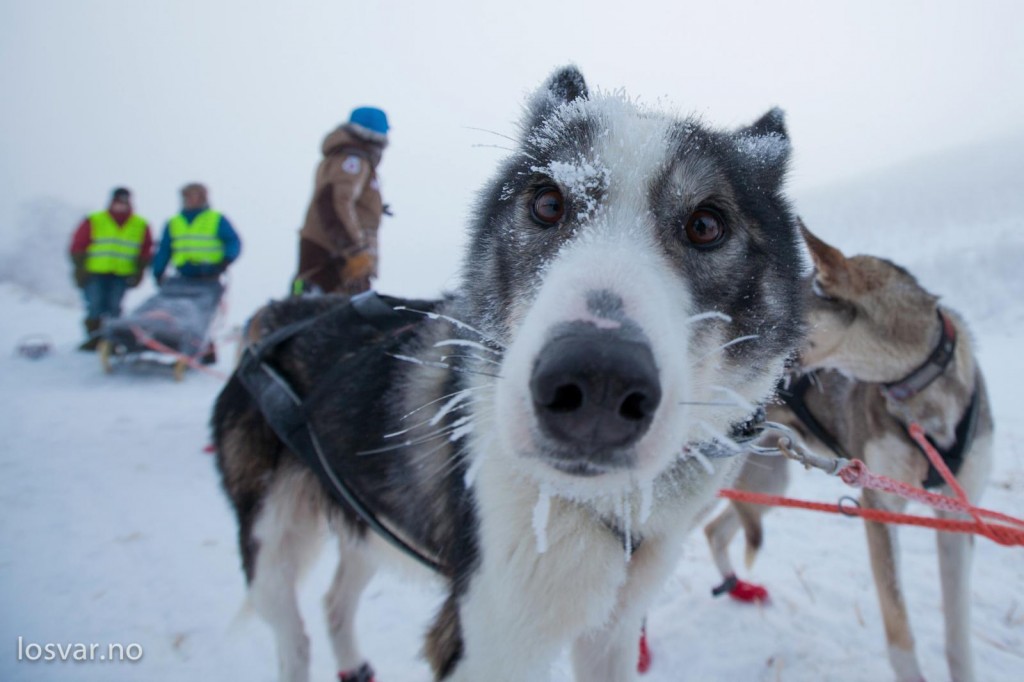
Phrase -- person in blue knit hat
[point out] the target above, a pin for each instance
(338, 241)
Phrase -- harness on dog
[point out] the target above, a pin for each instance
(901, 391)
(930, 370)
(741, 435)
(287, 413)
(793, 397)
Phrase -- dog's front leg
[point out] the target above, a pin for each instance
(882, 550)
(955, 554)
(510, 633)
(954, 572)
(608, 655)
(528, 600)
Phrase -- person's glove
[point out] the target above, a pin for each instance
(359, 266)
(80, 274)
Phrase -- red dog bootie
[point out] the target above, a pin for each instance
(643, 663)
(748, 592)
(363, 673)
(741, 590)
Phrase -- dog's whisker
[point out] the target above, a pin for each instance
(447, 430)
(468, 389)
(396, 434)
(709, 315)
(442, 365)
(458, 402)
(492, 132)
(492, 146)
(469, 478)
(455, 403)
(708, 404)
(445, 358)
(467, 343)
(449, 465)
(459, 324)
(738, 339)
(739, 399)
(457, 456)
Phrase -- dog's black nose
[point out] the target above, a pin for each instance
(593, 389)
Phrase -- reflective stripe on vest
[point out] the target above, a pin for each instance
(114, 249)
(196, 242)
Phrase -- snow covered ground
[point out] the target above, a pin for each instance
(114, 530)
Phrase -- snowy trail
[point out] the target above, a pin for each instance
(116, 531)
(114, 528)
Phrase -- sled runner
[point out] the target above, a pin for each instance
(171, 327)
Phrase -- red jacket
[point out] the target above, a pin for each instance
(83, 237)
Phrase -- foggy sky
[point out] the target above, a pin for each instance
(153, 94)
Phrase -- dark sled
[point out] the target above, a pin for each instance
(171, 327)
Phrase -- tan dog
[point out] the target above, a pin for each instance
(883, 353)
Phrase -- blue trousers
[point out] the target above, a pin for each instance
(103, 294)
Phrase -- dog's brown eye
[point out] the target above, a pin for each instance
(704, 228)
(548, 206)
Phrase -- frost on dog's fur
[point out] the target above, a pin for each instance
(536, 430)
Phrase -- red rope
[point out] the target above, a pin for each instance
(1010, 532)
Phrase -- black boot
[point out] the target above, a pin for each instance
(210, 356)
(92, 337)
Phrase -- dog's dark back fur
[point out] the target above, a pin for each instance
(340, 348)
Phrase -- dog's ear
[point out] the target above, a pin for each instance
(772, 123)
(765, 143)
(829, 261)
(563, 86)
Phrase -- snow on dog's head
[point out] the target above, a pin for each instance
(643, 271)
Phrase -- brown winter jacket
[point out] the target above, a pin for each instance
(345, 211)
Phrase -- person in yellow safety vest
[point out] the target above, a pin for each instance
(109, 250)
(199, 242)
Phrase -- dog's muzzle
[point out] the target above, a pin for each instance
(594, 392)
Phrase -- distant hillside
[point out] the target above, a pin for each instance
(955, 219)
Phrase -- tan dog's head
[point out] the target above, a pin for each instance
(868, 318)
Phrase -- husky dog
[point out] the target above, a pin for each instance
(880, 354)
(630, 290)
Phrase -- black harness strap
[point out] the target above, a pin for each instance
(918, 380)
(287, 414)
(931, 369)
(954, 455)
(794, 398)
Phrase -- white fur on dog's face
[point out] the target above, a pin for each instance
(614, 250)
(647, 292)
